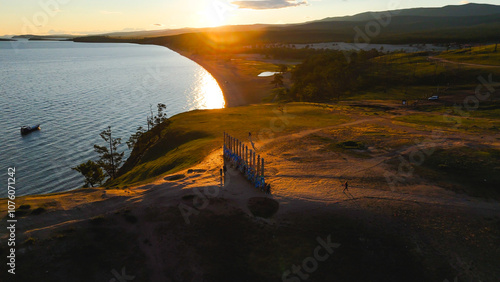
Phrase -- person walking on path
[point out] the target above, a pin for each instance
(268, 188)
(346, 187)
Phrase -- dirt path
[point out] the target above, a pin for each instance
(465, 64)
(299, 188)
(298, 185)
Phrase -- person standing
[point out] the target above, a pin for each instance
(221, 178)
(251, 142)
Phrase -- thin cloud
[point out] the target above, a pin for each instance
(109, 12)
(464, 2)
(268, 4)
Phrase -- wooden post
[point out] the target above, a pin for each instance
(253, 162)
(262, 173)
(257, 171)
(246, 156)
(253, 159)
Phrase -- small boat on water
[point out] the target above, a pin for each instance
(28, 129)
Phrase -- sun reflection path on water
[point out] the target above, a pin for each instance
(208, 93)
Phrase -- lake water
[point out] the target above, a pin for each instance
(267, 73)
(76, 90)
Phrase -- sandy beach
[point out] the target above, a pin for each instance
(239, 89)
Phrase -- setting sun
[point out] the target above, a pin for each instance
(250, 140)
(217, 13)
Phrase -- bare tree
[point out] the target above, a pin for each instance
(109, 159)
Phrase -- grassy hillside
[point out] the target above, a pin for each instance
(191, 136)
(485, 55)
(374, 75)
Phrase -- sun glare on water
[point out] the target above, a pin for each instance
(209, 94)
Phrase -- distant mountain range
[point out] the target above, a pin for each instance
(460, 23)
(466, 10)
(170, 32)
(463, 23)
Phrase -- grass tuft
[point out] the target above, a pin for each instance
(38, 211)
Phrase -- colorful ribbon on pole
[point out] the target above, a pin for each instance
(243, 158)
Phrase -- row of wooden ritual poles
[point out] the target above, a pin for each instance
(246, 161)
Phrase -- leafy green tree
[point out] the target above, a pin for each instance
(135, 137)
(160, 116)
(331, 75)
(92, 172)
(283, 68)
(109, 159)
(280, 94)
(278, 80)
(309, 93)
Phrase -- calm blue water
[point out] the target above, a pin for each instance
(75, 90)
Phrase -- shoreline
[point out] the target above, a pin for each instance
(227, 77)
(227, 83)
(238, 89)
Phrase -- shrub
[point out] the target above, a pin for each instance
(38, 211)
